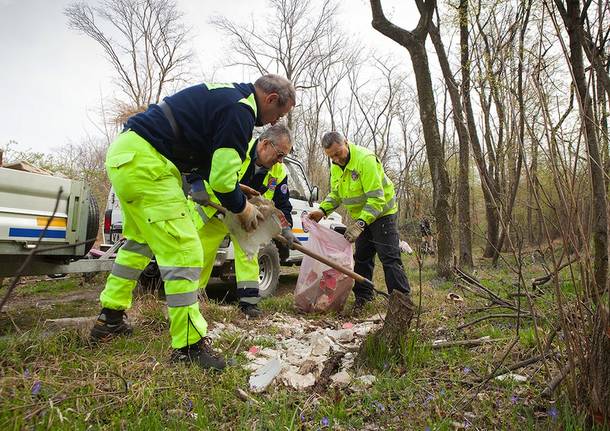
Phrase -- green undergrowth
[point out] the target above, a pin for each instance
(54, 379)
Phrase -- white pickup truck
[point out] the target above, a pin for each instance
(27, 201)
(303, 197)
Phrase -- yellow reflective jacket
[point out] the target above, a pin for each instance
(362, 186)
(274, 176)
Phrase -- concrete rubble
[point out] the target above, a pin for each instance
(300, 350)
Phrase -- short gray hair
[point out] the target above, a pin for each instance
(272, 83)
(275, 133)
(331, 138)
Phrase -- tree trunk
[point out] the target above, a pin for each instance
(594, 382)
(463, 186)
(489, 190)
(415, 44)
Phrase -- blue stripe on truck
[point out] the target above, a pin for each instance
(35, 233)
(302, 238)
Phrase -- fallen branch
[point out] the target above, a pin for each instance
(331, 366)
(242, 395)
(473, 281)
(516, 366)
(555, 381)
(463, 343)
(493, 316)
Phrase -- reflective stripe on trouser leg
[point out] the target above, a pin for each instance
(246, 273)
(210, 235)
(149, 188)
(131, 259)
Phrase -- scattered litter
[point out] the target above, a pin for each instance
(405, 247)
(366, 380)
(299, 350)
(295, 380)
(263, 376)
(342, 378)
(454, 297)
(512, 376)
(182, 413)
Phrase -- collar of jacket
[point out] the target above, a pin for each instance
(351, 163)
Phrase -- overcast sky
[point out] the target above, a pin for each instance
(53, 80)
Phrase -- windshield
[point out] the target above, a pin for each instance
(296, 181)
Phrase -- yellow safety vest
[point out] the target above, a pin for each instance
(362, 186)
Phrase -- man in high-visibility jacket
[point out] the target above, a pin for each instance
(203, 130)
(359, 182)
(264, 173)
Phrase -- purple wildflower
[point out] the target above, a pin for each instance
(379, 406)
(514, 399)
(467, 370)
(324, 422)
(26, 373)
(553, 413)
(36, 387)
(302, 416)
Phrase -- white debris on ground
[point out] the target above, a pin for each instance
(301, 349)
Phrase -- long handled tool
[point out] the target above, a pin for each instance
(316, 256)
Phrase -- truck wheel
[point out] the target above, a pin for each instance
(269, 267)
(93, 222)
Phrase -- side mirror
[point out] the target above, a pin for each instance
(313, 195)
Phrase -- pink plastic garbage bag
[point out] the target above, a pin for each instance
(321, 288)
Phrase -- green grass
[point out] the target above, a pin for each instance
(56, 380)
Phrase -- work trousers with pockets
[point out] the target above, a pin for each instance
(381, 238)
(211, 235)
(156, 221)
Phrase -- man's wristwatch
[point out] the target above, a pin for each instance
(360, 223)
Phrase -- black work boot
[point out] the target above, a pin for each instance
(200, 353)
(358, 307)
(109, 324)
(250, 310)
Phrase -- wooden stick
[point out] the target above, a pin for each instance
(493, 316)
(463, 343)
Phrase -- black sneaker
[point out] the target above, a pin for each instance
(201, 354)
(109, 324)
(250, 310)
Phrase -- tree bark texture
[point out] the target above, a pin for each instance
(490, 194)
(414, 42)
(463, 185)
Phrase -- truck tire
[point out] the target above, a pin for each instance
(269, 267)
(93, 222)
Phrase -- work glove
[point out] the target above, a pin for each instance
(354, 230)
(316, 215)
(249, 217)
(290, 237)
(248, 191)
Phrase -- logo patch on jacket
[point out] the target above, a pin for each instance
(355, 175)
(272, 183)
(284, 188)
